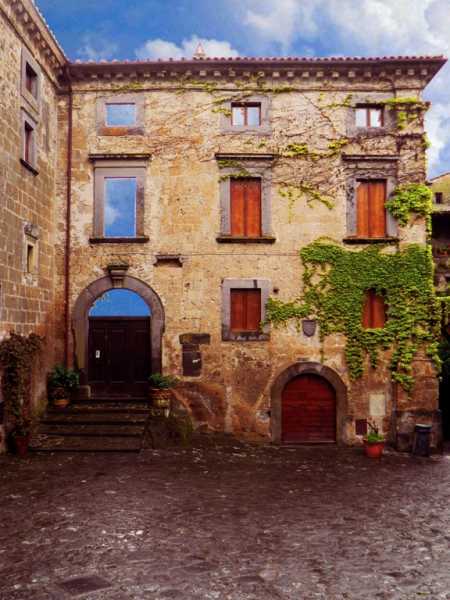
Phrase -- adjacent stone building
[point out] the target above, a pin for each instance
(191, 186)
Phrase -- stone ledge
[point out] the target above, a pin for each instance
(229, 239)
(119, 240)
(361, 240)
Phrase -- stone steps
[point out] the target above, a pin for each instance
(100, 425)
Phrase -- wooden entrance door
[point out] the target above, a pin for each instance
(119, 356)
(308, 411)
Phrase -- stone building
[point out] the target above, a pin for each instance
(170, 200)
(440, 186)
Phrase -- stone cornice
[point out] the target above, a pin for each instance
(26, 19)
(419, 69)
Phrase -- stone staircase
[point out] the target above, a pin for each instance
(100, 425)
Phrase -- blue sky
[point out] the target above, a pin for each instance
(130, 29)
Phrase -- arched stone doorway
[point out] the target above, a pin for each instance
(331, 380)
(86, 300)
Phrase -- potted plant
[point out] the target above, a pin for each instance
(21, 434)
(373, 442)
(61, 381)
(160, 390)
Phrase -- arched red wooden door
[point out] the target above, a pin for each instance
(308, 410)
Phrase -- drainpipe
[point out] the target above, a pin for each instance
(68, 222)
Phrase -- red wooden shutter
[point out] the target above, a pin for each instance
(374, 311)
(245, 310)
(362, 209)
(245, 201)
(377, 199)
(370, 209)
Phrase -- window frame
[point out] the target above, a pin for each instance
(104, 169)
(265, 287)
(246, 106)
(33, 100)
(257, 167)
(103, 129)
(368, 301)
(226, 116)
(369, 168)
(29, 154)
(30, 239)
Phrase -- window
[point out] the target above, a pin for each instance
(371, 211)
(29, 152)
(118, 200)
(374, 310)
(246, 114)
(369, 117)
(243, 309)
(438, 197)
(120, 115)
(30, 253)
(245, 198)
(30, 81)
(30, 258)
(245, 202)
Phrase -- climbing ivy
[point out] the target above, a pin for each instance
(409, 198)
(335, 281)
(408, 109)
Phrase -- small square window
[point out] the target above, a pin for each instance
(120, 115)
(246, 115)
(120, 207)
(30, 81)
(369, 117)
(438, 197)
(245, 308)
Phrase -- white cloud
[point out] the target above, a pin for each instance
(159, 48)
(96, 48)
(370, 27)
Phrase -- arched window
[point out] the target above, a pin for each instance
(374, 310)
(120, 303)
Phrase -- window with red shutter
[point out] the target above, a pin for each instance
(370, 209)
(374, 311)
(245, 310)
(245, 207)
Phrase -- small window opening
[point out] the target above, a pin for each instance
(31, 80)
(30, 258)
(374, 310)
(369, 117)
(120, 115)
(246, 114)
(28, 143)
(438, 197)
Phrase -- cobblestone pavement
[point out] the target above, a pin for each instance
(226, 521)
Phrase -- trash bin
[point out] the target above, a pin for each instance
(421, 442)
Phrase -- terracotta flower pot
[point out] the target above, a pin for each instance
(61, 402)
(21, 443)
(160, 397)
(373, 449)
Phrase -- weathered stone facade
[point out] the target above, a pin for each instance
(308, 153)
(27, 191)
(441, 231)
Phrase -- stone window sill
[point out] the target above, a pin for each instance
(229, 239)
(29, 167)
(361, 240)
(119, 240)
(246, 336)
(120, 131)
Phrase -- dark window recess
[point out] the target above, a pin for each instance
(245, 207)
(192, 360)
(371, 210)
(245, 310)
(28, 143)
(361, 426)
(369, 117)
(438, 197)
(30, 258)
(246, 115)
(374, 311)
(31, 80)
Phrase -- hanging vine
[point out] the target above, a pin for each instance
(335, 281)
